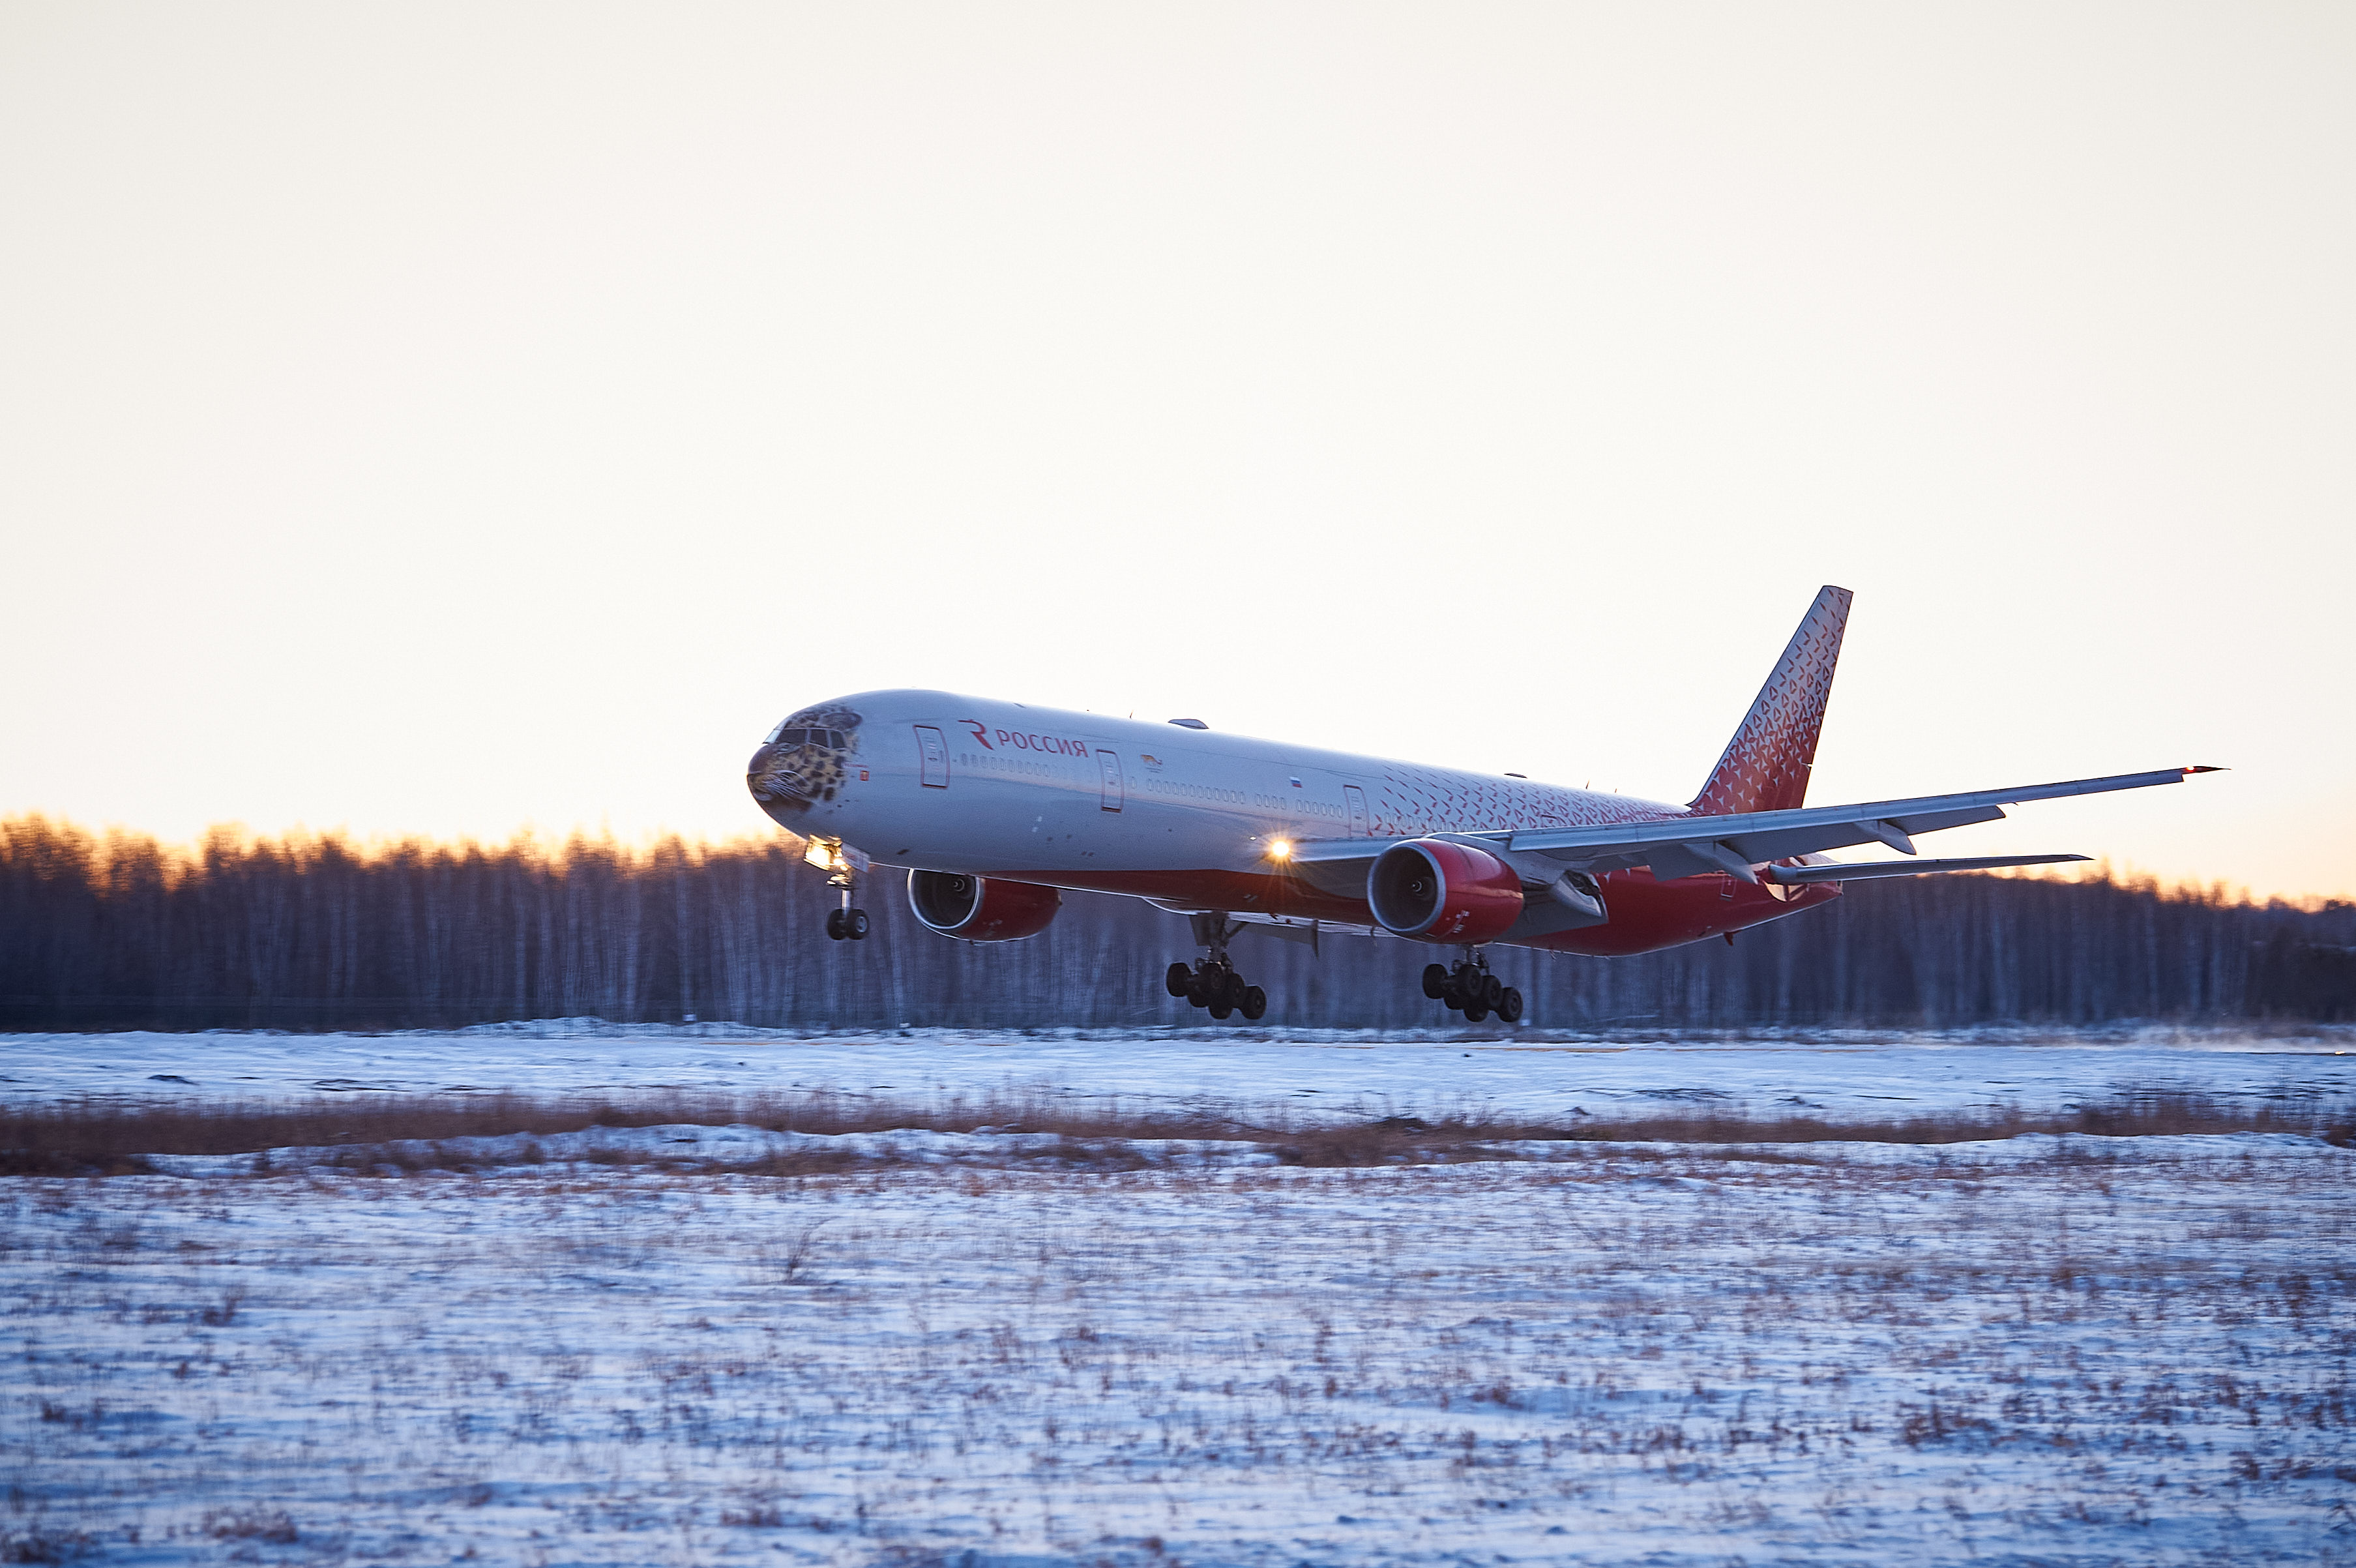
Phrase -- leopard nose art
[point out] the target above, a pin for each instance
(757, 772)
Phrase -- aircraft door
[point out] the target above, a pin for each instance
(937, 757)
(1110, 765)
(1355, 799)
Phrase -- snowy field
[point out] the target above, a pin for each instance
(2049, 1350)
(1526, 1073)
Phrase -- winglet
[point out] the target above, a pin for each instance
(1765, 765)
(2196, 769)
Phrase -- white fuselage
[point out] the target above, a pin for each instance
(945, 782)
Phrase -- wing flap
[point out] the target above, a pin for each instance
(1782, 843)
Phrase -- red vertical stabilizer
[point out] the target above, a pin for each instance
(1765, 768)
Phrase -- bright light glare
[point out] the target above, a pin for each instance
(1281, 850)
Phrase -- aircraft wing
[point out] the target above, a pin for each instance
(1693, 844)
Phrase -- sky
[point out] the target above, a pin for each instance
(450, 419)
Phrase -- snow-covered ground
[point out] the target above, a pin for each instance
(2048, 1350)
(1521, 1073)
(2044, 1350)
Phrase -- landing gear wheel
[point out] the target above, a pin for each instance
(1469, 988)
(842, 865)
(1213, 984)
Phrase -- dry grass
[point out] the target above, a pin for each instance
(93, 1138)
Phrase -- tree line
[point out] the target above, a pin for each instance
(312, 932)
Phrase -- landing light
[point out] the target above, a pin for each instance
(1281, 849)
(824, 855)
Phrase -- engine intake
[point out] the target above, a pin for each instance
(979, 910)
(1439, 891)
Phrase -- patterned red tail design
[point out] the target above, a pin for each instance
(1765, 768)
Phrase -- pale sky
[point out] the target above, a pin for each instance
(443, 419)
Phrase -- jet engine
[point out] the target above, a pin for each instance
(1439, 891)
(979, 909)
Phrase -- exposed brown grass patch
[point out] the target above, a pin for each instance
(91, 1138)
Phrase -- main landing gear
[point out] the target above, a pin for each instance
(1471, 989)
(1212, 985)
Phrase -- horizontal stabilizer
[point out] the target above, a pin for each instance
(1788, 874)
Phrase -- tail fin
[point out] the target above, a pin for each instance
(1765, 768)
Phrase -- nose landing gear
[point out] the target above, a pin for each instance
(845, 924)
(1212, 985)
(1472, 989)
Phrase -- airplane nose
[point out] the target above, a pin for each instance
(757, 777)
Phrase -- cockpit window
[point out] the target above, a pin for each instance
(834, 739)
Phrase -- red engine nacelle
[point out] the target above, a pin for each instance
(1442, 892)
(977, 910)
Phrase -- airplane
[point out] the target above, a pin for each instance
(995, 809)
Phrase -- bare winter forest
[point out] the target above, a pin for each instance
(315, 932)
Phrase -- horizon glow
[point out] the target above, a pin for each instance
(450, 422)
